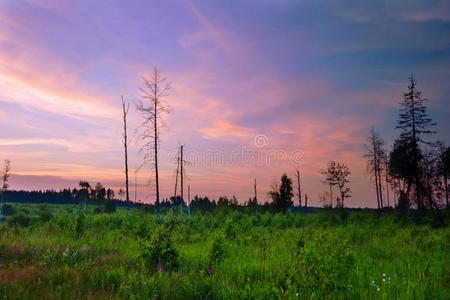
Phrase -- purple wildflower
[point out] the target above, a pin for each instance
(210, 270)
(101, 263)
(159, 267)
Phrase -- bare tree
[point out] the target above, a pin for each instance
(125, 145)
(5, 176)
(341, 174)
(329, 178)
(336, 174)
(375, 156)
(153, 110)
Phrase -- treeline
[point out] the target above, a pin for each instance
(66, 196)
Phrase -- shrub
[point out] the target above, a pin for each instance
(159, 251)
(324, 263)
(218, 249)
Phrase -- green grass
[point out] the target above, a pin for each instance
(329, 255)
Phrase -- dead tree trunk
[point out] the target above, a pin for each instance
(181, 180)
(299, 189)
(125, 144)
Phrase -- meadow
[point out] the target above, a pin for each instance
(60, 252)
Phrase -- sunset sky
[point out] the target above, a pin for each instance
(311, 76)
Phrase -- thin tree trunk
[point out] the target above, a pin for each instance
(446, 189)
(379, 184)
(176, 178)
(306, 204)
(1, 206)
(256, 199)
(181, 181)
(135, 186)
(299, 189)
(189, 201)
(415, 156)
(376, 175)
(155, 124)
(125, 144)
(331, 195)
(387, 184)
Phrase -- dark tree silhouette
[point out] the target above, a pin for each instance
(84, 192)
(402, 166)
(282, 197)
(154, 90)
(99, 194)
(414, 124)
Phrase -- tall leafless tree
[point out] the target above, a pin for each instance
(375, 155)
(126, 107)
(153, 109)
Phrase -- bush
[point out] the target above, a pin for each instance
(159, 251)
(218, 249)
(323, 263)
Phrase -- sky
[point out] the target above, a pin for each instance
(258, 88)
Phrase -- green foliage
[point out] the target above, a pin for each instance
(218, 249)
(322, 263)
(159, 250)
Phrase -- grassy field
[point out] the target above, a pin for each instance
(56, 252)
